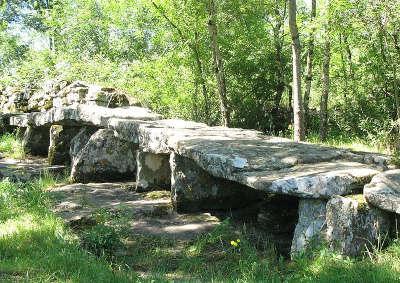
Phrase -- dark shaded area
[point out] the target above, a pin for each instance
(36, 140)
(278, 217)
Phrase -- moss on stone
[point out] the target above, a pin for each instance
(157, 195)
(362, 202)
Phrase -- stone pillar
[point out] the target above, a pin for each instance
(353, 225)
(60, 142)
(36, 140)
(311, 225)
(153, 172)
(194, 189)
(102, 157)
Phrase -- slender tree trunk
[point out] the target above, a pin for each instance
(344, 69)
(196, 55)
(218, 64)
(201, 76)
(277, 27)
(297, 97)
(325, 89)
(310, 54)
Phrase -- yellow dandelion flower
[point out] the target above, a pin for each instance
(233, 243)
(238, 240)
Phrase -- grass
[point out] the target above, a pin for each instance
(35, 246)
(353, 143)
(11, 146)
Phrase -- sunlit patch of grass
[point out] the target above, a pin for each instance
(11, 146)
(36, 246)
(352, 143)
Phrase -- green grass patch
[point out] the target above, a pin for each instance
(11, 146)
(35, 246)
(353, 143)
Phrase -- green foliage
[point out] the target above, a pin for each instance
(11, 146)
(101, 240)
(160, 53)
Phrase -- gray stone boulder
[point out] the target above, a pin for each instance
(153, 172)
(353, 225)
(384, 191)
(60, 143)
(103, 157)
(79, 141)
(193, 189)
(36, 140)
(311, 225)
(83, 93)
(14, 100)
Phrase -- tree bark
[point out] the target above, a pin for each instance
(218, 64)
(310, 54)
(298, 118)
(325, 89)
(196, 54)
(278, 30)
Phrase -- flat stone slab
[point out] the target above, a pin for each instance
(27, 169)
(265, 163)
(147, 213)
(270, 164)
(81, 115)
(384, 191)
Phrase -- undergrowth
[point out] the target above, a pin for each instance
(11, 146)
(35, 246)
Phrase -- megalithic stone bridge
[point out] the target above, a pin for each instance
(212, 168)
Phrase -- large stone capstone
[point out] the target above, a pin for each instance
(103, 157)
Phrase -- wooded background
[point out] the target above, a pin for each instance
(222, 61)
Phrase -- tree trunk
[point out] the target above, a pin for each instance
(218, 64)
(195, 51)
(296, 86)
(278, 30)
(202, 79)
(325, 89)
(310, 54)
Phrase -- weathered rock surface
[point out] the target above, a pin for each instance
(193, 189)
(146, 213)
(14, 100)
(84, 93)
(28, 169)
(353, 225)
(36, 140)
(153, 172)
(311, 225)
(79, 141)
(384, 191)
(59, 93)
(103, 157)
(82, 115)
(60, 143)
